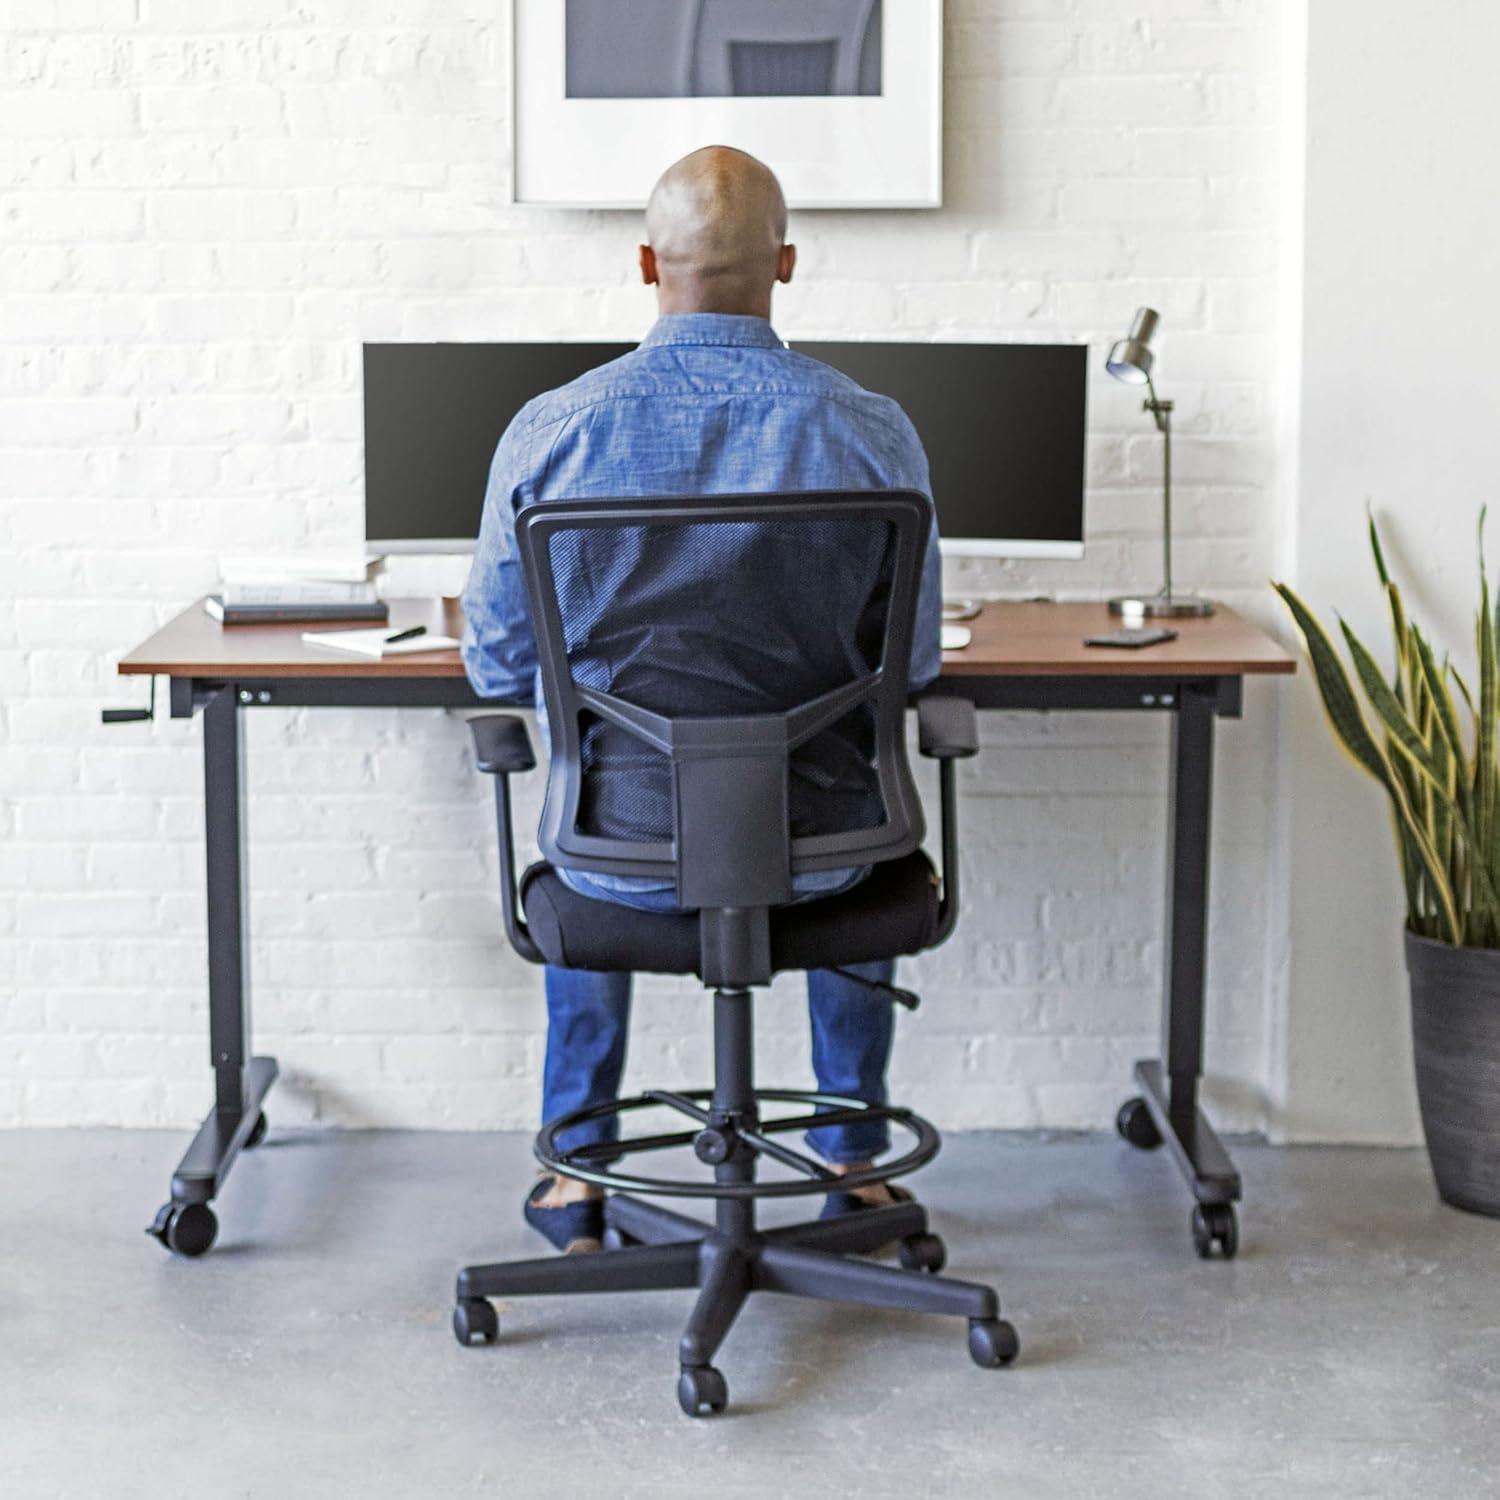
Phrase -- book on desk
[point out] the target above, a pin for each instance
(302, 587)
(294, 611)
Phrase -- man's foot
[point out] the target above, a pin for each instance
(852, 1200)
(568, 1214)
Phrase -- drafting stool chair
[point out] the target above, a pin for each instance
(732, 851)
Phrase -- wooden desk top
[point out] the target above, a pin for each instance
(194, 644)
(1046, 640)
(1010, 640)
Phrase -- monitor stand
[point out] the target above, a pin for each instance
(961, 609)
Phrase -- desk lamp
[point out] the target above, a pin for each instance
(1130, 361)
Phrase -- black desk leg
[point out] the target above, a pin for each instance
(187, 1224)
(1168, 1110)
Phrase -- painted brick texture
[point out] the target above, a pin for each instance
(206, 206)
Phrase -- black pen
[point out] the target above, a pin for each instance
(405, 635)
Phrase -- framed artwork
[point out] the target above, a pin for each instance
(841, 98)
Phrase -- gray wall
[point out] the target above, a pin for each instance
(1400, 391)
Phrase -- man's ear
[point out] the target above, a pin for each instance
(786, 263)
(648, 266)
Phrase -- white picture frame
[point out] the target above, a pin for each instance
(830, 151)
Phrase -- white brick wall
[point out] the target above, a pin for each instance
(206, 206)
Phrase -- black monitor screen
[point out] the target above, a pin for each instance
(1003, 425)
(433, 415)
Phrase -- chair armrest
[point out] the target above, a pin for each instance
(501, 744)
(947, 728)
(501, 748)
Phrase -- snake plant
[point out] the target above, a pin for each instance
(1442, 778)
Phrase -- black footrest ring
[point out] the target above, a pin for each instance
(927, 1143)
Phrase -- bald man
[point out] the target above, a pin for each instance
(710, 403)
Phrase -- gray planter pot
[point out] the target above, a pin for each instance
(1455, 1013)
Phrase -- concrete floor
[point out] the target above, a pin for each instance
(1352, 1350)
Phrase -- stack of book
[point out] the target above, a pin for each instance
(297, 587)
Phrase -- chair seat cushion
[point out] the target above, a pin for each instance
(894, 910)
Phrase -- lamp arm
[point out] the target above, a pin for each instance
(1162, 412)
(1159, 409)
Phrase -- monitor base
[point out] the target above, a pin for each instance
(962, 609)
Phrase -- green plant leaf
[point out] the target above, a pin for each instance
(1351, 731)
(1435, 804)
(1389, 709)
(1465, 694)
(1484, 724)
(1339, 702)
(1442, 810)
(1380, 568)
(1406, 729)
(1400, 631)
(1445, 715)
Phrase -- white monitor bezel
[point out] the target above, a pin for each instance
(1011, 547)
(420, 546)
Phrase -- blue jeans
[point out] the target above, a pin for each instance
(588, 1014)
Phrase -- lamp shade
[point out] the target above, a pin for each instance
(1131, 359)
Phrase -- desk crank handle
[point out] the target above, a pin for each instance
(131, 715)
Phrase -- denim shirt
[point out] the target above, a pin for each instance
(708, 404)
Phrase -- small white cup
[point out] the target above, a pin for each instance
(1132, 613)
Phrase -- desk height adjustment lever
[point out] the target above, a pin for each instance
(131, 715)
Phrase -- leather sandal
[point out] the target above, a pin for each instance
(574, 1228)
(839, 1203)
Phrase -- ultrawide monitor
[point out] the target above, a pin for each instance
(1003, 426)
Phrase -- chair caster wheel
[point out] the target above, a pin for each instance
(1216, 1224)
(1134, 1123)
(617, 1239)
(474, 1321)
(923, 1252)
(186, 1229)
(992, 1342)
(701, 1391)
(257, 1132)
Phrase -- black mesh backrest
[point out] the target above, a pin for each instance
(725, 681)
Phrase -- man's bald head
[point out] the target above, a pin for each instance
(716, 234)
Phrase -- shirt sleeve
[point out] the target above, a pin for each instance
(927, 633)
(499, 644)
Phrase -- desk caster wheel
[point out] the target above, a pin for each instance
(475, 1321)
(701, 1391)
(1216, 1224)
(923, 1252)
(992, 1342)
(1135, 1125)
(257, 1131)
(186, 1229)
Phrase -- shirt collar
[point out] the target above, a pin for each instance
(712, 328)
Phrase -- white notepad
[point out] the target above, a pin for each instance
(373, 643)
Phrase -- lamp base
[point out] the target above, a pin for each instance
(1165, 606)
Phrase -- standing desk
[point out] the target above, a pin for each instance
(1022, 656)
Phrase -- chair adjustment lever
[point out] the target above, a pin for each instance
(909, 998)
